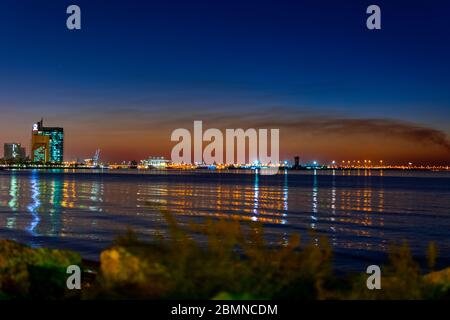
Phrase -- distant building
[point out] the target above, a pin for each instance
(155, 162)
(47, 143)
(13, 151)
(93, 162)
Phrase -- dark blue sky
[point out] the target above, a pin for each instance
(136, 63)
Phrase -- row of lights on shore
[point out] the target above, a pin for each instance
(366, 162)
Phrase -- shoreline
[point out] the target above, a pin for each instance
(130, 269)
(14, 168)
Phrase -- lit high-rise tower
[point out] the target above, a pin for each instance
(47, 143)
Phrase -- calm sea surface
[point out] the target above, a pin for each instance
(360, 212)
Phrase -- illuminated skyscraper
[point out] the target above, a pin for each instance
(14, 151)
(47, 143)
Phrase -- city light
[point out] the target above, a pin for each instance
(48, 151)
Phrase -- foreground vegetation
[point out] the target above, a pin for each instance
(236, 263)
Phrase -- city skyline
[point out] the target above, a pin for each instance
(241, 152)
(135, 72)
(52, 151)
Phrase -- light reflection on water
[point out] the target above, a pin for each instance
(359, 212)
(35, 204)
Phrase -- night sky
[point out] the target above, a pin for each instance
(139, 69)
